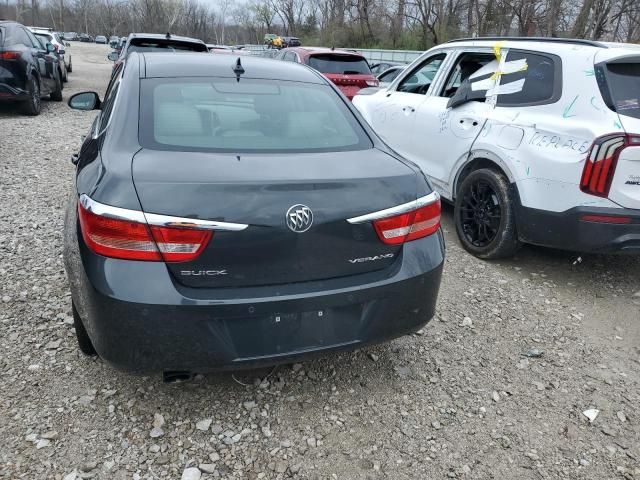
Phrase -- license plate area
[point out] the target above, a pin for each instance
(285, 333)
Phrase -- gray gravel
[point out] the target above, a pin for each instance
(494, 387)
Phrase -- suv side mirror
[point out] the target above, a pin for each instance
(85, 101)
(50, 48)
(113, 56)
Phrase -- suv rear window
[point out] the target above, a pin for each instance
(624, 87)
(147, 45)
(344, 64)
(223, 115)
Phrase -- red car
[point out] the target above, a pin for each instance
(348, 70)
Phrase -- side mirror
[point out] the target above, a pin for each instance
(50, 48)
(67, 44)
(113, 56)
(61, 51)
(85, 101)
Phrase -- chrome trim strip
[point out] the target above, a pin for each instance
(156, 219)
(397, 210)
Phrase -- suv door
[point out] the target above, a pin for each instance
(45, 63)
(444, 135)
(394, 119)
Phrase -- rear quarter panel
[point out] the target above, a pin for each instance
(544, 147)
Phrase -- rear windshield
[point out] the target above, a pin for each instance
(140, 45)
(223, 115)
(345, 64)
(624, 86)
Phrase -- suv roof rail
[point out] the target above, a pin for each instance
(575, 41)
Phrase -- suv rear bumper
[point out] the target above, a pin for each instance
(569, 230)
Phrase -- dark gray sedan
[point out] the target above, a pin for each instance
(233, 213)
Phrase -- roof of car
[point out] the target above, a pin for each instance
(195, 64)
(161, 36)
(312, 50)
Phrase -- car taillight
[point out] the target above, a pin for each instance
(600, 165)
(130, 240)
(409, 226)
(10, 55)
(373, 83)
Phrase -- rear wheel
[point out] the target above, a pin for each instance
(84, 342)
(70, 67)
(64, 76)
(56, 95)
(485, 215)
(32, 105)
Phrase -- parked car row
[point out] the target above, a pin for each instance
(30, 67)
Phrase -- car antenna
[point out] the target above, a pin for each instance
(238, 69)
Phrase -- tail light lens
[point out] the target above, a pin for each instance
(602, 158)
(409, 226)
(129, 240)
(10, 55)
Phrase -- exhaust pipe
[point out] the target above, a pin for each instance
(177, 376)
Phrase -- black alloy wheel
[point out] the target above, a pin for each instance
(485, 215)
(33, 104)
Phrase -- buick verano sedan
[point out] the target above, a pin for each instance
(240, 213)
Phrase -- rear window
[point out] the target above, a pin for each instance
(223, 115)
(344, 64)
(624, 87)
(140, 45)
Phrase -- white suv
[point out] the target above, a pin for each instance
(533, 140)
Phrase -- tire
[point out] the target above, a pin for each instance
(485, 217)
(56, 95)
(70, 67)
(33, 105)
(84, 342)
(65, 77)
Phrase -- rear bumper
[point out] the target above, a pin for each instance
(140, 320)
(11, 93)
(569, 230)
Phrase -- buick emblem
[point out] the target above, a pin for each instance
(299, 218)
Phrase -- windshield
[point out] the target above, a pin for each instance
(335, 63)
(224, 115)
(165, 45)
(624, 85)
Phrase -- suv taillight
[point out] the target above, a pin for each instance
(409, 226)
(8, 55)
(600, 165)
(129, 240)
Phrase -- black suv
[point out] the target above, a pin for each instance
(29, 70)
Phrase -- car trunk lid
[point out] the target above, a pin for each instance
(261, 190)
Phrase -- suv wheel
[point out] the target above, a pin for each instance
(32, 104)
(70, 67)
(56, 95)
(84, 342)
(65, 77)
(485, 215)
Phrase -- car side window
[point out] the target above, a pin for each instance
(539, 83)
(107, 107)
(419, 79)
(466, 65)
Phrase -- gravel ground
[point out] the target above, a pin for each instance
(460, 399)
